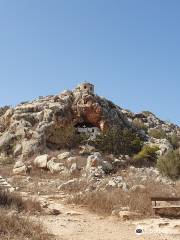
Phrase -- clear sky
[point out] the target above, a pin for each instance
(130, 49)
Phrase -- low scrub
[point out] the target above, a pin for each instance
(14, 201)
(138, 123)
(104, 202)
(61, 138)
(13, 227)
(157, 133)
(175, 141)
(169, 164)
(146, 157)
(118, 141)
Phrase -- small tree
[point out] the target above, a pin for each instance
(147, 156)
(138, 123)
(118, 141)
(169, 164)
(64, 137)
(157, 133)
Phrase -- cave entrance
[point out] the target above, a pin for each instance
(87, 128)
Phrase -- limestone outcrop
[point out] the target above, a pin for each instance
(31, 127)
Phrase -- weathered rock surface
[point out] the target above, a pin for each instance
(41, 161)
(31, 127)
(19, 168)
(54, 167)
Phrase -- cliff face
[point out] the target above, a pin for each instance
(26, 129)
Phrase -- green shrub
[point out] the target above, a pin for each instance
(64, 137)
(157, 133)
(147, 156)
(169, 164)
(138, 123)
(174, 140)
(118, 141)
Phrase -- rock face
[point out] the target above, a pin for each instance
(31, 127)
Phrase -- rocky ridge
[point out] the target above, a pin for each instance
(31, 127)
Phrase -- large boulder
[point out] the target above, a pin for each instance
(86, 149)
(41, 161)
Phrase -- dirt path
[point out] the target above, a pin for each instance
(78, 224)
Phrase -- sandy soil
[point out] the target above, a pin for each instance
(76, 223)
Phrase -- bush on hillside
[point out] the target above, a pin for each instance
(138, 123)
(64, 137)
(175, 141)
(147, 156)
(157, 133)
(169, 164)
(118, 141)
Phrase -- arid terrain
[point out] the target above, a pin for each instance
(78, 220)
(76, 166)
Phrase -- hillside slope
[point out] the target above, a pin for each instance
(31, 127)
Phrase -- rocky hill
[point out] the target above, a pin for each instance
(31, 127)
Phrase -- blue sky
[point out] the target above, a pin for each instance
(130, 49)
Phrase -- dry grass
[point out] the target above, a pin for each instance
(102, 202)
(13, 227)
(14, 201)
(6, 170)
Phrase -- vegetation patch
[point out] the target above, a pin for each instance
(169, 164)
(146, 157)
(14, 201)
(13, 227)
(118, 141)
(157, 133)
(64, 137)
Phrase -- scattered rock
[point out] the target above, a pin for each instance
(69, 184)
(64, 155)
(70, 161)
(41, 161)
(18, 150)
(86, 149)
(74, 170)
(94, 160)
(52, 211)
(54, 167)
(19, 168)
(117, 182)
(128, 215)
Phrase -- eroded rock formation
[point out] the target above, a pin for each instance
(26, 129)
